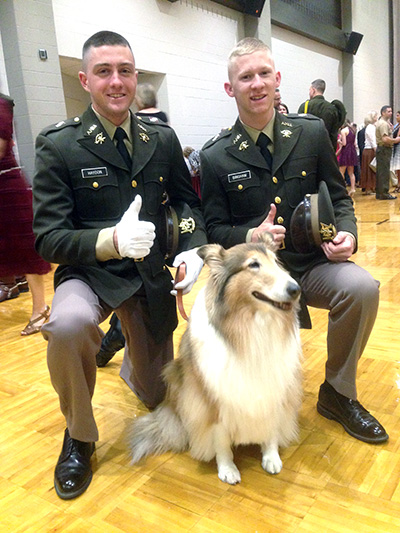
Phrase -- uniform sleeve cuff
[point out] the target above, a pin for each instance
(105, 249)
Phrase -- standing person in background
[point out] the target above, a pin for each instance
(347, 158)
(385, 142)
(368, 177)
(332, 113)
(146, 102)
(277, 98)
(395, 161)
(253, 177)
(17, 242)
(102, 220)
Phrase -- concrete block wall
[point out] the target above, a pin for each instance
(187, 42)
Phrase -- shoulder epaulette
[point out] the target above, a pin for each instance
(62, 124)
(225, 132)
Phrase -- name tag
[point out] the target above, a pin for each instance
(240, 176)
(99, 172)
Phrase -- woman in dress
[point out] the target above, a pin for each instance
(17, 252)
(368, 176)
(348, 155)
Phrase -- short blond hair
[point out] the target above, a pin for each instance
(248, 45)
(371, 117)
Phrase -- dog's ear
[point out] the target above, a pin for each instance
(211, 253)
(268, 239)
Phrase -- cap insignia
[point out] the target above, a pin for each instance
(327, 231)
(187, 225)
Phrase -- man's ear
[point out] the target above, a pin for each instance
(228, 89)
(83, 80)
(278, 79)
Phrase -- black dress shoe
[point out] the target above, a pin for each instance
(73, 472)
(112, 342)
(8, 291)
(385, 197)
(356, 420)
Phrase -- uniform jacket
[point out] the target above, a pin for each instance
(332, 113)
(82, 185)
(238, 187)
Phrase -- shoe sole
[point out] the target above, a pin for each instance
(72, 495)
(330, 416)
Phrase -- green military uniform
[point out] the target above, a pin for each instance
(237, 189)
(332, 113)
(81, 186)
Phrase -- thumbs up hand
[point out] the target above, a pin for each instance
(133, 237)
(268, 224)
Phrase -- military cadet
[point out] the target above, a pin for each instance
(254, 176)
(99, 189)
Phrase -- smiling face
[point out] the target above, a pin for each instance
(110, 77)
(252, 82)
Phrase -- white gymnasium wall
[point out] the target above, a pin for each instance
(371, 63)
(3, 76)
(300, 61)
(187, 41)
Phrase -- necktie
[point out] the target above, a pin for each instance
(263, 142)
(120, 135)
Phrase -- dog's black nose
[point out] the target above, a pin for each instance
(293, 289)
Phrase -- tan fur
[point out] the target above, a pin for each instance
(237, 379)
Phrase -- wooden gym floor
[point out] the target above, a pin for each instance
(330, 482)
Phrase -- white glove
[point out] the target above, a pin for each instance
(194, 264)
(135, 237)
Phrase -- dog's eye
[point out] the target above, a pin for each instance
(255, 265)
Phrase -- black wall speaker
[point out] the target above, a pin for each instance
(353, 41)
(250, 7)
(254, 7)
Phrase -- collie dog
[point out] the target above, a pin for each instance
(237, 379)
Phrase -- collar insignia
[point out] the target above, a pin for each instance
(141, 126)
(99, 138)
(243, 146)
(287, 124)
(286, 133)
(235, 140)
(144, 137)
(91, 129)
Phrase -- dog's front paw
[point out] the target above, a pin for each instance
(229, 474)
(271, 462)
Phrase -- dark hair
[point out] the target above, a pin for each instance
(319, 85)
(104, 38)
(384, 107)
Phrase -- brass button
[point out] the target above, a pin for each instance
(304, 173)
(277, 200)
(134, 183)
(76, 119)
(95, 184)
(161, 179)
(280, 220)
(240, 187)
(275, 179)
